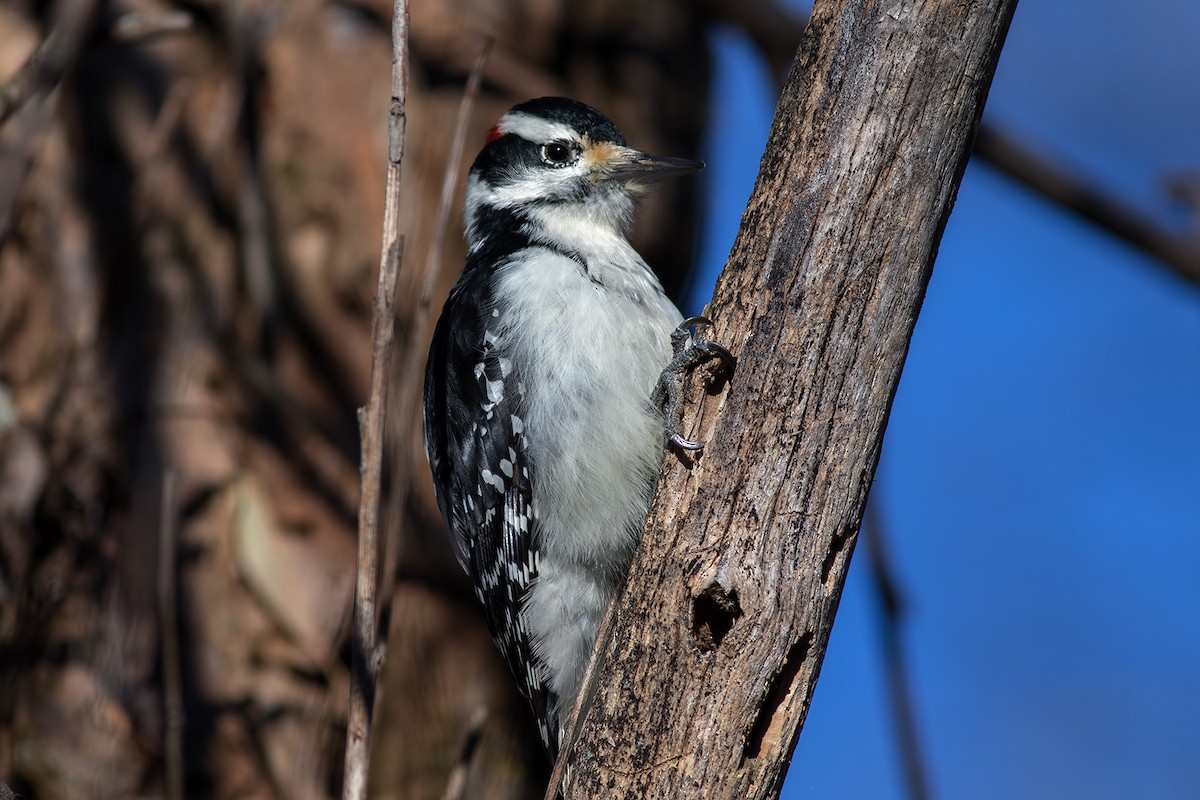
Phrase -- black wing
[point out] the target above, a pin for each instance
(474, 437)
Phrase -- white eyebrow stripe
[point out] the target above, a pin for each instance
(535, 129)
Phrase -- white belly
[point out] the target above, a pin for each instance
(589, 357)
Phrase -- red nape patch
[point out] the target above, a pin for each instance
(493, 134)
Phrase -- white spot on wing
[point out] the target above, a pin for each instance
(493, 480)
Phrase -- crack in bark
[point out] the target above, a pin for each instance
(769, 721)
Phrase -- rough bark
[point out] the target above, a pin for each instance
(719, 638)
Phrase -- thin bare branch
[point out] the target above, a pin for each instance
(891, 613)
(450, 180)
(52, 59)
(30, 89)
(1183, 190)
(775, 29)
(1073, 192)
(366, 654)
(412, 371)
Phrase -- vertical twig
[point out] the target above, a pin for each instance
(450, 179)
(366, 654)
(168, 621)
(891, 609)
(412, 373)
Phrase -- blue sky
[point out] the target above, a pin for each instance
(1041, 474)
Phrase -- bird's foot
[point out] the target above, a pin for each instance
(690, 350)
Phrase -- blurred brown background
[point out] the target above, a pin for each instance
(190, 214)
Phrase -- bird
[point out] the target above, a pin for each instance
(552, 388)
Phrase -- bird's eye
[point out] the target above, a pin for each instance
(557, 153)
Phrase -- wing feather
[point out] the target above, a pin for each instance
(482, 472)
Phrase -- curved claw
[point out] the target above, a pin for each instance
(685, 444)
(686, 336)
(720, 352)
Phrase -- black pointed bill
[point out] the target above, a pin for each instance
(642, 168)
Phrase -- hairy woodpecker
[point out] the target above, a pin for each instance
(544, 388)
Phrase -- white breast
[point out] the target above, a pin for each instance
(589, 356)
(588, 348)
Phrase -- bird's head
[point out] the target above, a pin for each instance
(554, 155)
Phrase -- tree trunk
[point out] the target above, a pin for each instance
(718, 640)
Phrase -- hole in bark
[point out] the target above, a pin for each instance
(769, 720)
(836, 549)
(714, 611)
